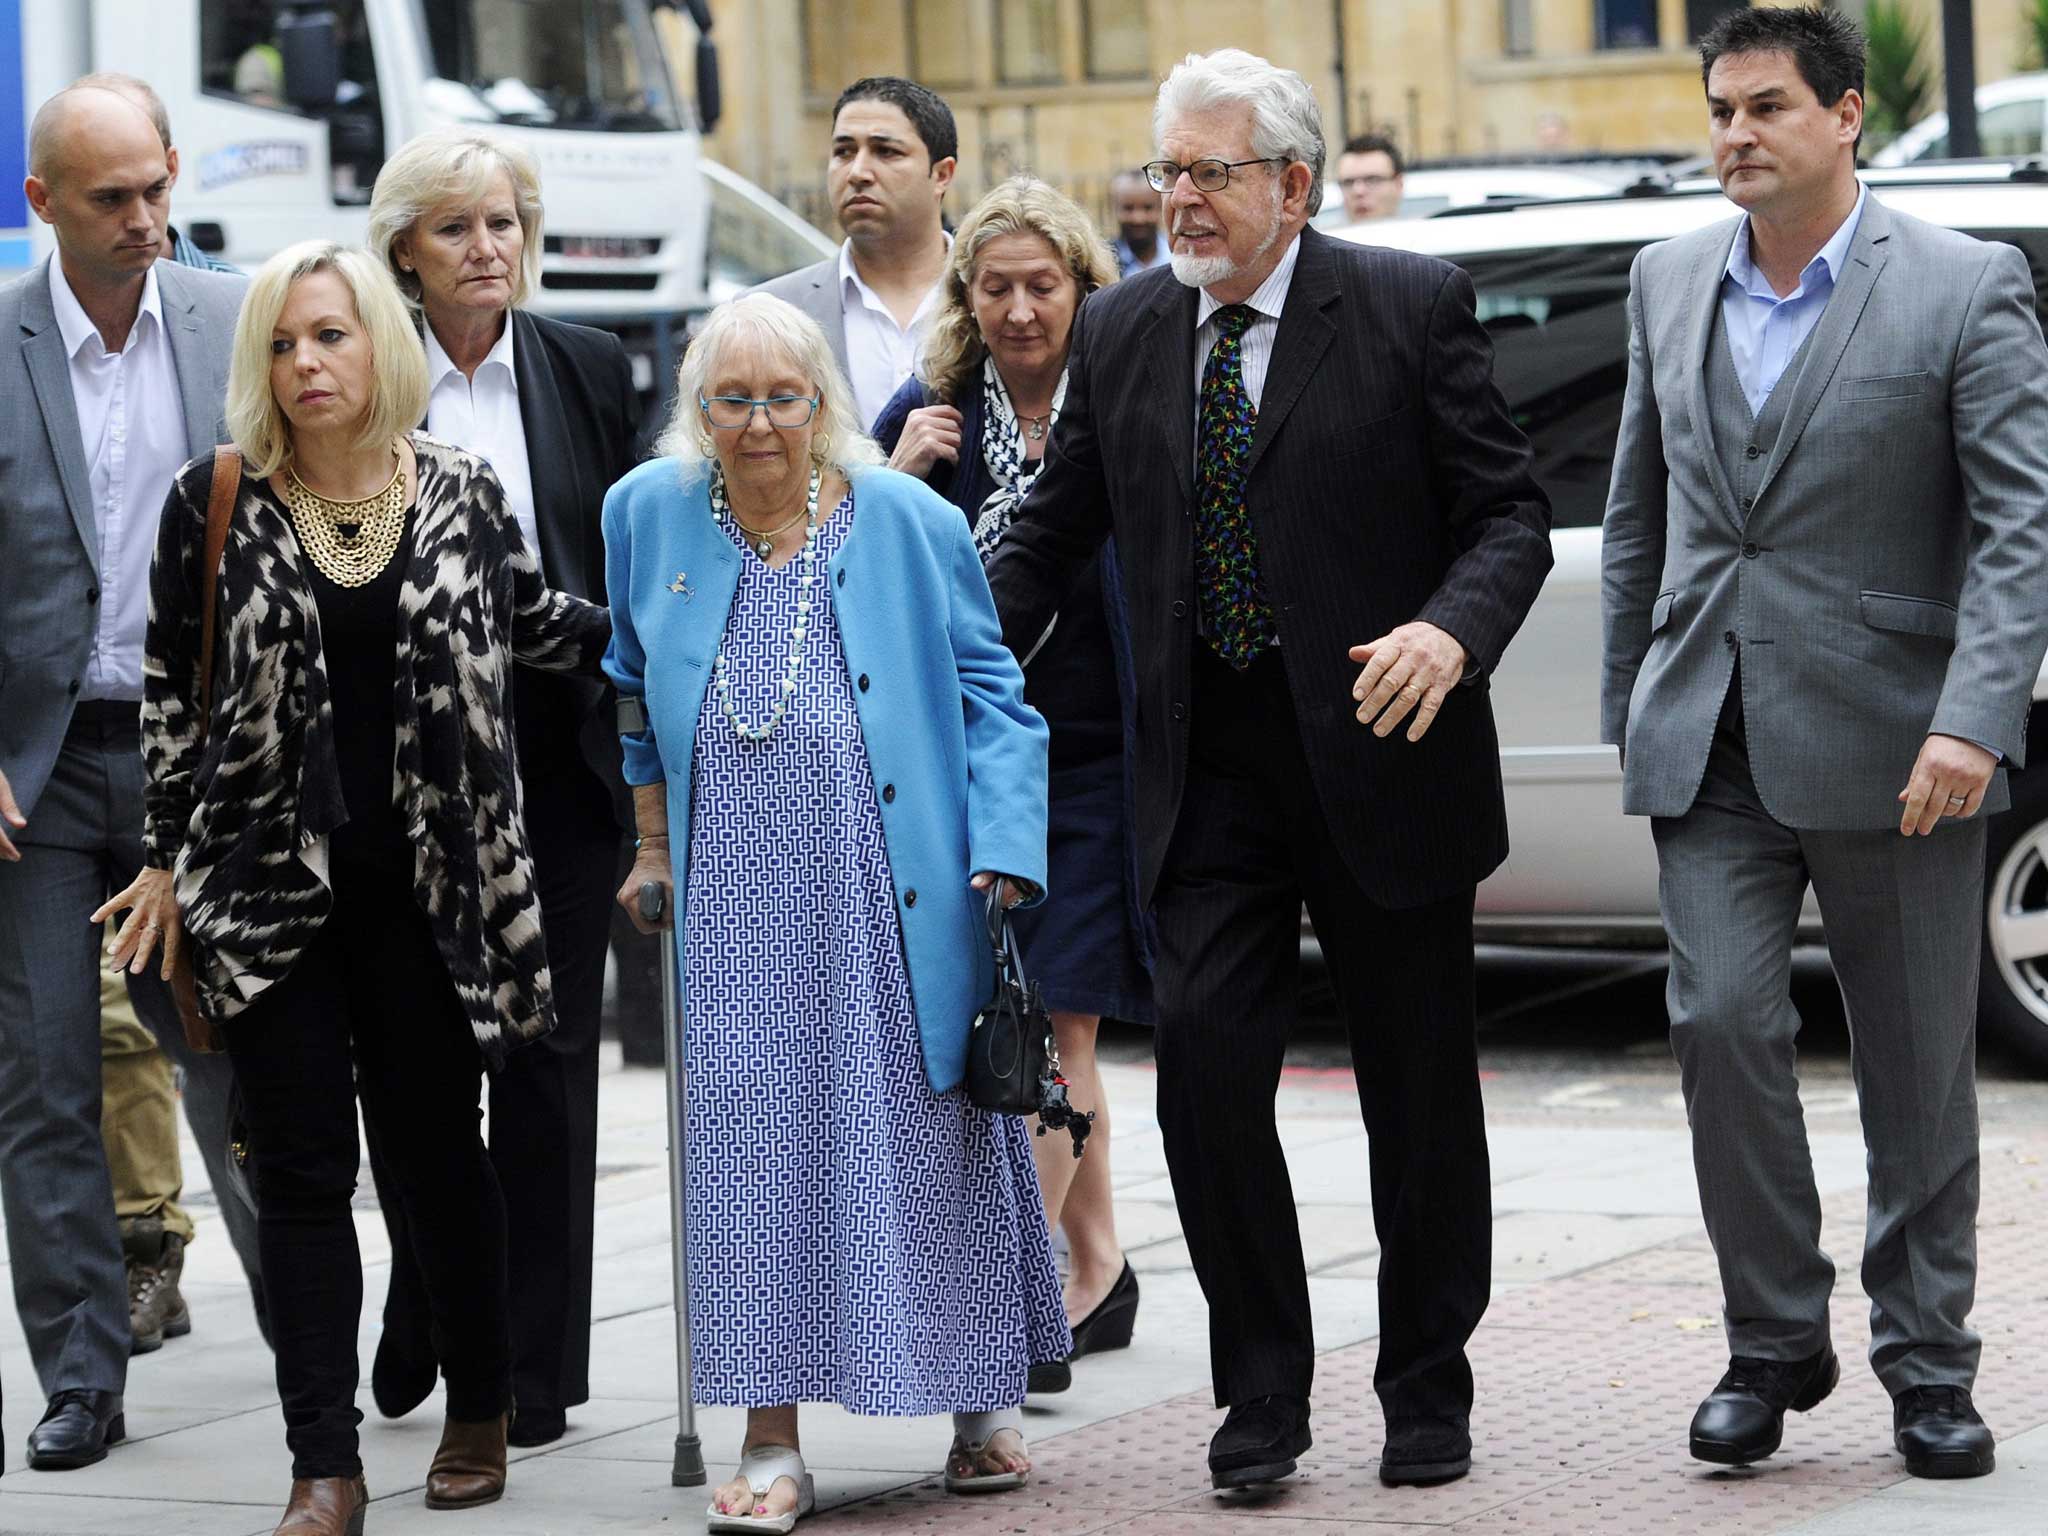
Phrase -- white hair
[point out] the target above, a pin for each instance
(1286, 123)
(836, 432)
(447, 165)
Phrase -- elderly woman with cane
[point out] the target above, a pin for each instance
(333, 830)
(837, 763)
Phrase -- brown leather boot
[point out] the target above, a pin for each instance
(325, 1506)
(469, 1468)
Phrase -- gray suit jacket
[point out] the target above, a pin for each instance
(815, 291)
(49, 580)
(1892, 578)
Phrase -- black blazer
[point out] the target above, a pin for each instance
(1387, 484)
(582, 421)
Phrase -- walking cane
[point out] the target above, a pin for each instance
(688, 1471)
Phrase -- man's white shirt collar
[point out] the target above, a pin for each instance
(76, 326)
(440, 364)
(848, 273)
(1269, 298)
(1833, 256)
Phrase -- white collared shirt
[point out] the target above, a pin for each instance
(1268, 300)
(131, 424)
(880, 354)
(1765, 332)
(481, 414)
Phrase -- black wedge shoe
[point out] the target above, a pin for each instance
(1107, 1327)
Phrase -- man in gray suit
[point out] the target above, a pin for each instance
(1825, 590)
(117, 375)
(894, 150)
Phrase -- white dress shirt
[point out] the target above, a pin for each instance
(131, 423)
(1765, 332)
(481, 415)
(880, 354)
(1268, 300)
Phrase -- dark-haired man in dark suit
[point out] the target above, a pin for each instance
(1299, 448)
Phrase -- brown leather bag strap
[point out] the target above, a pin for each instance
(220, 511)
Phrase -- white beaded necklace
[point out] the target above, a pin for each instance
(720, 676)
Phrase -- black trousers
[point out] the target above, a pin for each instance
(1250, 847)
(543, 1108)
(369, 1008)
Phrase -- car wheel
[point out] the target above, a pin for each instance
(2012, 989)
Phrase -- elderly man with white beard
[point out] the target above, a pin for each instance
(1328, 532)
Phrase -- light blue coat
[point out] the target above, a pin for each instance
(940, 699)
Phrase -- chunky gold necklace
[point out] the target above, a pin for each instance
(349, 542)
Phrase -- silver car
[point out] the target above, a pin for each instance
(1552, 283)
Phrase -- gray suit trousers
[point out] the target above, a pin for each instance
(83, 843)
(1902, 917)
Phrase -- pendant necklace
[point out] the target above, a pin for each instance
(763, 540)
(1035, 427)
(721, 671)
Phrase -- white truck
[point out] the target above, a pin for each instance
(284, 110)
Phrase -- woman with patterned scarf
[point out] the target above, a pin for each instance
(975, 427)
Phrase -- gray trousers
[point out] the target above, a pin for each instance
(83, 842)
(1903, 919)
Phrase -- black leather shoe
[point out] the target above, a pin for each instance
(1049, 1376)
(1743, 1418)
(1939, 1433)
(1109, 1325)
(1259, 1442)
(536, 1426)
(399, 1381)
(1422, 1451)
(76, 1430)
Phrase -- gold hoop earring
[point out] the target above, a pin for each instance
(706, 447)
(821, 449)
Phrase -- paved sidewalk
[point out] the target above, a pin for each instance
(1601, 1337)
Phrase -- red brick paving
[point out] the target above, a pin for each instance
(1586, 1385)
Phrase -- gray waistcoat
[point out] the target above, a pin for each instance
(1744, 441)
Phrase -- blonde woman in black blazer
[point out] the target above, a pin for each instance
(457, 216)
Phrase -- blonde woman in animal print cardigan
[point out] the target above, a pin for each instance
(346, 847)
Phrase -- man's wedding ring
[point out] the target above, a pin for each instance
(1958, 799)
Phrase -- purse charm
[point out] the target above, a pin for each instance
(1013, 1062)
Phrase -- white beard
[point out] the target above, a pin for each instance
(1206, 271)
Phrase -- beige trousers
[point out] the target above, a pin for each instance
(138, 1114)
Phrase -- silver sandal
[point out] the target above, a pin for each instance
(972, 1434)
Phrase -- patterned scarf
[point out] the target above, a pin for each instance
(1002, 450)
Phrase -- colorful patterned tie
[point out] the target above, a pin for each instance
(1234, 612)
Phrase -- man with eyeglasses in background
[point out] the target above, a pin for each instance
(1328, 532)
(1369, 175)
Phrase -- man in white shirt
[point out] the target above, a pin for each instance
(117, 377)
(894, 151)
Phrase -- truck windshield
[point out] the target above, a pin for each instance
(592, 65)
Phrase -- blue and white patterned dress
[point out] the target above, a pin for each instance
(854, 1238)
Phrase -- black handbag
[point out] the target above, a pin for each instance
(1013, 1062)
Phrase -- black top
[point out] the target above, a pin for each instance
(1072, 679)
(359, 632)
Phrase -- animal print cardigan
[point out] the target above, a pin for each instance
(243, 820)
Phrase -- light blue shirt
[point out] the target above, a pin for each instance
(1764, 331)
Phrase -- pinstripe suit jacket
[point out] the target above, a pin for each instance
(1386, 484)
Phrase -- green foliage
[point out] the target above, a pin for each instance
(2034, 29)
(1895, 70)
